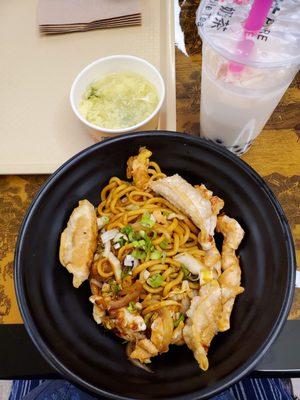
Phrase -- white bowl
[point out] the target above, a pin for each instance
(107, 65)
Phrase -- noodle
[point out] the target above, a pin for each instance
(125, 205)
(100, 266)
(139, 288)
(159, 305)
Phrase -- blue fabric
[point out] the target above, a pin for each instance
(49, 390)
(21, 388)
(246, 389)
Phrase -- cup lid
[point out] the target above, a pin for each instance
(221, 23)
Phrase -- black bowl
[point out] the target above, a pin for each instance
(59, 318)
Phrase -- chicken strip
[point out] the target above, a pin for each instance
(98, 314)
(78, 242)
(191, 202)
(137, 168)
(216, 202)
(202, 322)
(129, 326)
(212, 257)
(144, 350)
(230, 279)
(201, 206)
(162, 329)
(177, 336)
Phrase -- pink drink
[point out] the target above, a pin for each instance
(245, 73)
(234, 108)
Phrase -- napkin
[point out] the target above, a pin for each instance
(62, 16)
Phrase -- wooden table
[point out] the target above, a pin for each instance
(275, 155)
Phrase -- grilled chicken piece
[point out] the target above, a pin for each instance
(216, 203)
(129, 325)
(230, 279)
(190, 201)
(201, 206)
(98, 314)
(202, 322)
(144, 350)
(162, 330)
(212, 257)
(78, 242)
(137, 168)
(177, 336)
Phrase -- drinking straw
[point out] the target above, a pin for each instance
(253, 24)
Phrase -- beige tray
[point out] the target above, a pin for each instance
(38, 130)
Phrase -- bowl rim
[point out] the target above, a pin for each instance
(121, 130)
(234, 376)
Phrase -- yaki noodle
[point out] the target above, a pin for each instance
(156, 275)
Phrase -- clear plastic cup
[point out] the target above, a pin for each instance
(235, 106)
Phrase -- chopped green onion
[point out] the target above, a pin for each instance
(122, 241)
(133, 236)
(186, 272)
(140, 244)
(164, 244)
(115, 287)
(177, 322)
(131, 306)
(149, 245)
(155, 280)
(148, 220)
(156, 255)
(127, 229)
(139, 254)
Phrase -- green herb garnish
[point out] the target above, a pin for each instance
(155, 280)
(114, 286)
(127, 230)
(177, 322)
(148, 242)
(140, 244)
(138, 254)
(140, 240)
(121, 241)
(131, 306)
(148, 220)
(156, 255)
(132, 235)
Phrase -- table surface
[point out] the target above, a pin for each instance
(274, 155)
